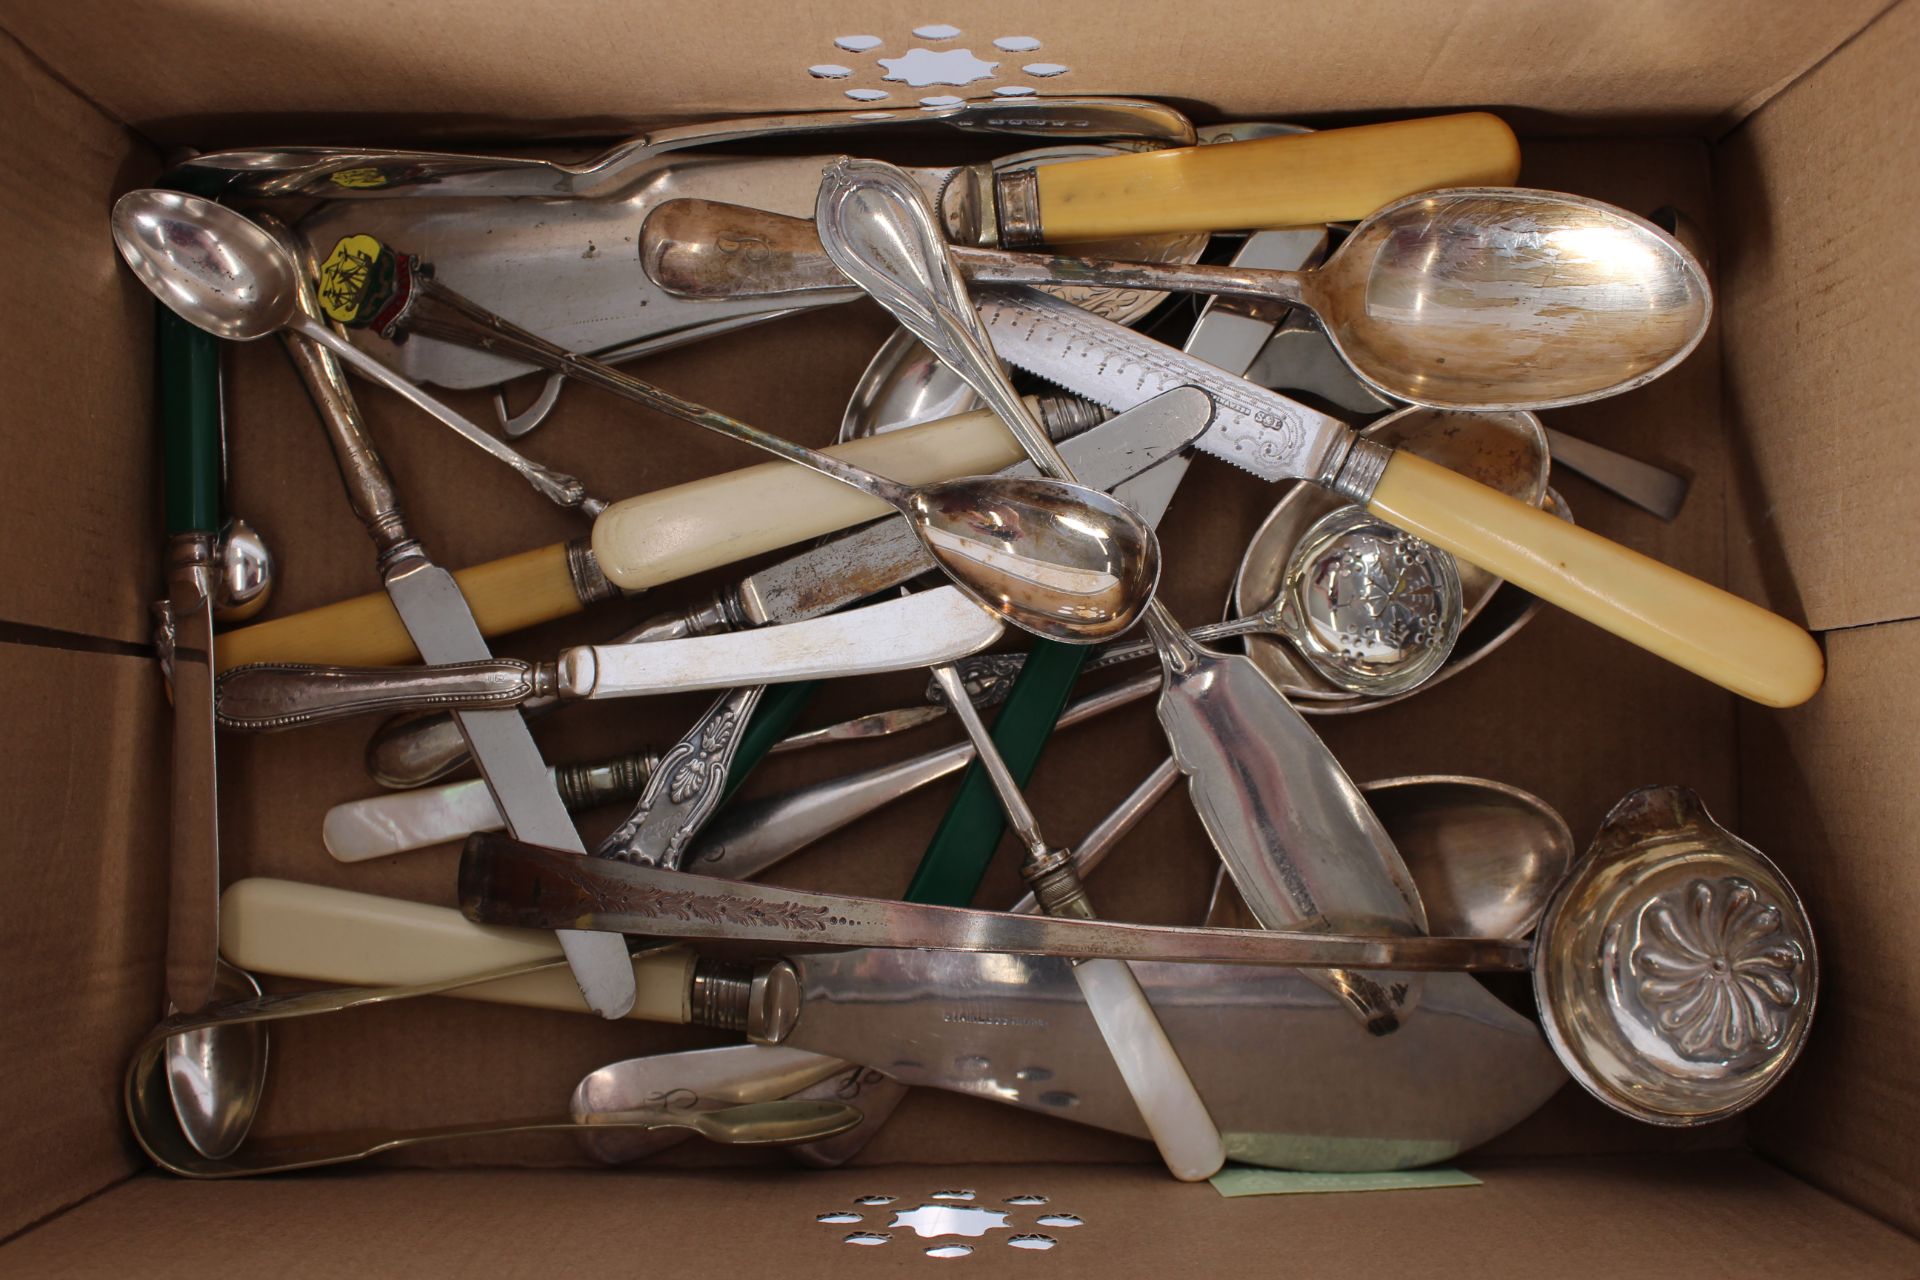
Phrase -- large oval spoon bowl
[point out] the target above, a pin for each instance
(1496, 298)
(1486, 856)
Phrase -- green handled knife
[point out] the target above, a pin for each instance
(189, 393)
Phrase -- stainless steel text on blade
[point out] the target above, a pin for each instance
(1254, 428)
(866, 561)
(443, 630)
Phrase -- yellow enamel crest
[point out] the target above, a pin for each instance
(345, 275)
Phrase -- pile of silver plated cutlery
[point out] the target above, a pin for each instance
(1370, 320)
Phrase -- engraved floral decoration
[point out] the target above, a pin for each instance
(611, 898)
(1379, 595)
(1717, 969)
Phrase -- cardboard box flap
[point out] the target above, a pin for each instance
(209, 70)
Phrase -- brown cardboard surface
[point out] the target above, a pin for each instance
(1821, 270)
(1564, 711)
(81, 522)
(1832, 787)
(1724, 1214)
(85, 812)
(209, 70)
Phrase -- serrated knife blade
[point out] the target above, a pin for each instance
(1112, 365)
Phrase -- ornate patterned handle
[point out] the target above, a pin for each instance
(685, 787)
(271, 696)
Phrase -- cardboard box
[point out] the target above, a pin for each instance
(1787, 130)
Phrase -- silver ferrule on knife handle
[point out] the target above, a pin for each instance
(1359, 470)
(1057, 888)
(724, 611)
(590, 784)
(590, 584)
(760, 998)
(265, 696)
(1016, 205)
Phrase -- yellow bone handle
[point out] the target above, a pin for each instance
(1712, 633)
(505, 595)
(1332, 176)
(642, 542)
(363, 940)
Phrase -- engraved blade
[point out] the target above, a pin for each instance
(441, 625)
(1110, 364)
(865, 562)
(509, 882)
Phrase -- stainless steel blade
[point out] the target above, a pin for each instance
(443, 630)
(193, 895)
(1259, 430)
(1290, 1077)
(1145, 440)
(916, 631)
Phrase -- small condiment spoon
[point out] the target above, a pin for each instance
(1057, 559)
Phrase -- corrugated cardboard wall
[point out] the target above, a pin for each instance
(1822, 270)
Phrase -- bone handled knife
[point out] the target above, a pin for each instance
(189, 366)
(1708, 631)
(838, 572)
(643, 541)
(442, 628)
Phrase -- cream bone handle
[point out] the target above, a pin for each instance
(1712, 633)
(645, 541)
(359, 939)
(1336, 175)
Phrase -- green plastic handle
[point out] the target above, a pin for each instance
(950, 871)
(188, 369)
(779, 707)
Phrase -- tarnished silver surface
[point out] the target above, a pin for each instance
(340, 173)
(1682, 974)
(266, 697)
(568, 269)
(509, 882)
(1372, 606)
(753, 834)
(1051, 557)
(1291, 1079)
(686, 787)
(694, 1080)
(1505, 451)
(232, 278)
